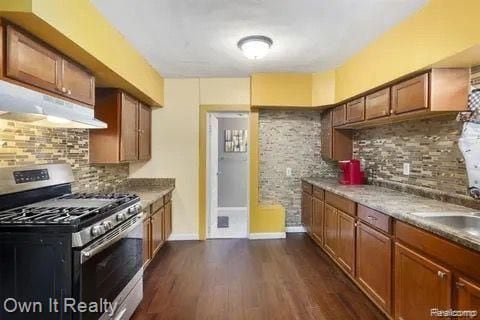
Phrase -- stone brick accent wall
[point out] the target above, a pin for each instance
(23, 144)
(289, 139)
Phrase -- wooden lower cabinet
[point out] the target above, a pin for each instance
(147, 234)
(157, 230)
(330, 230)
(420, 285)
(167, 226)
(317, 219)
(346, 242)
(306, 213)
(374, 265)
(466, 295)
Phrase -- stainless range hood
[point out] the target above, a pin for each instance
(22, 104)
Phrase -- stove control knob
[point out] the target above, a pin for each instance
(138, 208)
(131, 210)
(97, 230)
(121, 216)
(107, 225)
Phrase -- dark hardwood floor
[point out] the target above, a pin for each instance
(242, 279)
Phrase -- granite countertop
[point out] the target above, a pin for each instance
(149, 190)
(404, 207)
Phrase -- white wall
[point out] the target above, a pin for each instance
(175, 141)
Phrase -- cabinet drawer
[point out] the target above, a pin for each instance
(356, 110)
(318, 193)
(307, 187)
(341, 203)
(377, 105)
(375, 218)
(157, 205)
(456, 256)
(410, 95)
(339, 116)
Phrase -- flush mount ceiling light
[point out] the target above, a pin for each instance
(255, 47)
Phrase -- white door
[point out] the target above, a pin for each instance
(212, 173)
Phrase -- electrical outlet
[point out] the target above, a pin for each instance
(288, 172)
(406, 169)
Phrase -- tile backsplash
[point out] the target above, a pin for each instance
(24, 144)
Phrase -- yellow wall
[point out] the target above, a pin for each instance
(282, 89)
(225, 91)
(323, 88)
(78, 30)
(442, 28)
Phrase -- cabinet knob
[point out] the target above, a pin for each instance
(441, 274)
(69, 91)
(64, 90)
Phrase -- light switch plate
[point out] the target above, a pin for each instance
(288, 172)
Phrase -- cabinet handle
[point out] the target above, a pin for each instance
(441, 274)
(64, 90)
(371, 218)
(69, 91)
(459, 284)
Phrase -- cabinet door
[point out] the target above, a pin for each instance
(346, 241)
(339, 116)
(356, 110)
(306, 214)
(145, 132)
(410, 95)
(326, 135)
(77, 83)
(31, 62)
(377, 105)
(147, 240)
(129, 129)
(420, 285)
(373, 269)
(157, 230)
(317, 219)
(167, 221)
(467, 295)
(331, 230)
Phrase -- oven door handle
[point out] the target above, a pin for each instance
(95, 248)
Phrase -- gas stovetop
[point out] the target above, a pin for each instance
(68, 209)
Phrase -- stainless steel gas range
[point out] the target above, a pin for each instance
(64, 255)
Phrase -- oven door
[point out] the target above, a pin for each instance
(108, 265)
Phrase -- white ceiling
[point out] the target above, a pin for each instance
(198, 38)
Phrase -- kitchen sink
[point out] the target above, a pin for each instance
(466, 223)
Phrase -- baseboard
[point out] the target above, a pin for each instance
(267, 235)
(183, 236)
(297, 229)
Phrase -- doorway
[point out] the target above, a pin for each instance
(227, 175)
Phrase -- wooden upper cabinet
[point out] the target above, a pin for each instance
(346, 242)
(30, 62)
(377, 105)
(128, 135)
(129, 129)
(355, 110)
(420, 285)
(145, 132)
(410, 95)
(466, 295)
(373, 265)
(339, 115)
(326, 134)
(330, 230)
(77, 83)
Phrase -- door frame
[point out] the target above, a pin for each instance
(212, 164)
(202, 170)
